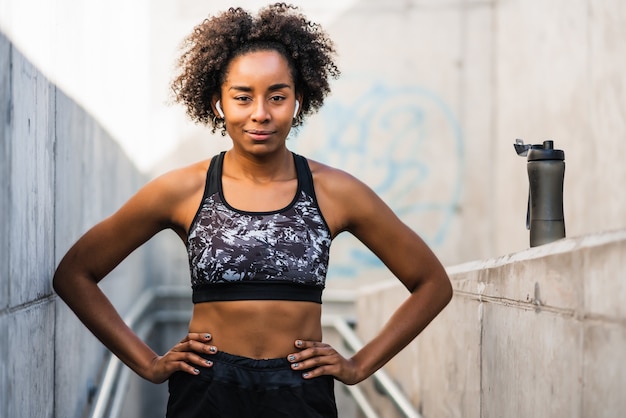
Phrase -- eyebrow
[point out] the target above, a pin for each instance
(273, 87)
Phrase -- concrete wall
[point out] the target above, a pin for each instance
(538, 333)
(434, 93)
(60, 173)
(97, 52)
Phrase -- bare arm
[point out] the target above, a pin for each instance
(98, 252)
(354, 207)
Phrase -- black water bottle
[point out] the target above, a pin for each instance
(546, 173)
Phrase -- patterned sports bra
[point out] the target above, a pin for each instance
(239, 255)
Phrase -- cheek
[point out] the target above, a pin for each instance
(237, 115)
(286, 117)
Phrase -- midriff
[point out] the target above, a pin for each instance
(258, 329)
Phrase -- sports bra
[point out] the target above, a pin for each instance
(240, 255)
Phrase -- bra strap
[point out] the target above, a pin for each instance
(214, 175)
(305, 178)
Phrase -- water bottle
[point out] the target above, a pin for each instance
(546, 172)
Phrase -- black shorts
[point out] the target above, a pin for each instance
(243, 387)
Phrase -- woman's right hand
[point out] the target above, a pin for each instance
(183, 357)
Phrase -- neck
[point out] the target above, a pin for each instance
(264, 168)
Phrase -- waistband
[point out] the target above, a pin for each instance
(252, 290)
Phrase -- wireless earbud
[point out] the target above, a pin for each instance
(295, 112)
(219, 109)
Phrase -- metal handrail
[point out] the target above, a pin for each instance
(353, 342)
(109, 398)
(110, 386)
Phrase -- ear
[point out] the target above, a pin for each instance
(218, 107)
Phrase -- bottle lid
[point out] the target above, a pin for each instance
(545, 151)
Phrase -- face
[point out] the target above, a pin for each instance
(258, 100)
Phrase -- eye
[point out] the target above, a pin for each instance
(277, 98)
(243, 98)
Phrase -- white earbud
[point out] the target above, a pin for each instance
(295, 112)
(219, 109)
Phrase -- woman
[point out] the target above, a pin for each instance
(257, 222)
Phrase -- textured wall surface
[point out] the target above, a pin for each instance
(433, 95)
(537, 333)
(61, 173)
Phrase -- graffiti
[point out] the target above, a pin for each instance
(405, 143)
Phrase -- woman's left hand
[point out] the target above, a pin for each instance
(317, 359)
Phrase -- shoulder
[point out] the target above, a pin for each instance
(332, 179)
(181, 182)
(163, 199)
(344, 200)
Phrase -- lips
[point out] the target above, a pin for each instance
(259, 135)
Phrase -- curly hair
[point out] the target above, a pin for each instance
(213, 44)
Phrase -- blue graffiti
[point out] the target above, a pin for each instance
(389, 134)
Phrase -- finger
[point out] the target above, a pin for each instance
(315, 357)
(188, 368)
(189, 363)
(319, 371)
(203, 337)
(195, 346)
(198, 336)
(186, 362)
(313, 373)
(196, 360)
(295, 356)
(309, 349)
(315, 350)
(304, 344)
(314, 361)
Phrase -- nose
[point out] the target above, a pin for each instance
(260, 111)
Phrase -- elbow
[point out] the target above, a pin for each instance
(444, 291)
(57, 283)
(445, 286)
(61, 280)
(61, 276)
(438, 286)
(447, 291)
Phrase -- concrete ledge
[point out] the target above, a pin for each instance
(541, 332)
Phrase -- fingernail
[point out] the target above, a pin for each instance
(305, 375)
(209, 363)
(295, 365)
(292, 358)
(299, 343)
(212, 349)
(196, 371)
(207, 336)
